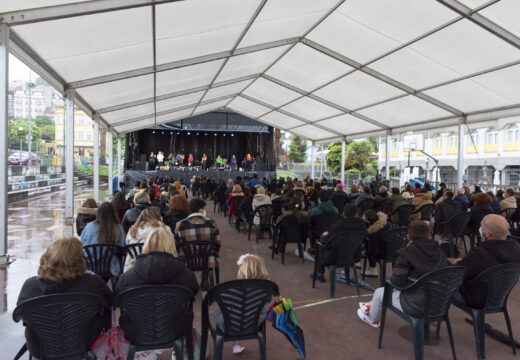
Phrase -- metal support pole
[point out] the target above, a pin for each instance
(69, 163)
(110, 162)
(460, 154)
(312, 160)
(4, 138)
(343, 161)
(321, 162)
(96, 158)
(387, 156)
(118, 161)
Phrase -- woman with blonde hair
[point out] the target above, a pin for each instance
(148, 220)
(158, 264)
(62, 270)
(237, 191)
(249, 267)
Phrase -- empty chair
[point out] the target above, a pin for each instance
(265, 215)
(104, 260)
(426, 211)
(159, 315)
(61, 323)
(196, 253)
(403, 212)
(499, 281)
(241, 303)
(438, 286)
(289, 230)
(347, 245)
(364, 205)
(453, 229)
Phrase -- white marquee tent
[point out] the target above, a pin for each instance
(325, 70)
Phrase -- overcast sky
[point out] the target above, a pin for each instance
(18, 70)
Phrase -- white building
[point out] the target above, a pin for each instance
(491, 153)
(41, 100)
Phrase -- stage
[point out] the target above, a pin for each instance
(134, 175)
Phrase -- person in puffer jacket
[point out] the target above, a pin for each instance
(86, 213)
(419, 257)
(325, 206)
(260, 199)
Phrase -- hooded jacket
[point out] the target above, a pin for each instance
(131, 216)
(419, 201)
(418, 258)
(258, 200)
(323, 208)
(508, 203)
(157, 268)
(489, 253)
(86, 283)
(85, 215)
(172, 217)
(396, 200)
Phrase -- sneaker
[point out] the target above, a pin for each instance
(365, 308)
(358, 264)
(237, 349)
(371, 271)
(319, 277)
(374, 324)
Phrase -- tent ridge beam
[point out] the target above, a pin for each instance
(181, 63)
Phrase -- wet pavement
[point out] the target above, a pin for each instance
(332, 328)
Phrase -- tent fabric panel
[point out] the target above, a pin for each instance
(126, 43)
(162, 119)
(179, 101)
(282, 19)
(128, 113)
(312, 132)
(402, 111)
(248, 107)
(473, 4)
(249, 64)
(348, 124)
(280, 120)
(306, 68)
(187, 29)
(211, 106)
(310, 109)
(17, 5)
(505, 14)
(358, 89)
(225, 90)
(187, 77)
(270, 92)
(118, 92)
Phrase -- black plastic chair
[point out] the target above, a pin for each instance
(476, 217)
(453, 229)
(383, 205)
(426, 211)
(347, 244)
(508, 213)
(132, 251)
(196, 254)
(265, 213)
(61, 322)
(403, 212)
(393, 240)
(99, 259)
(517, 238)
(289, 231)
(364, 205)
(154, 311)
(318, 225)
(241, 303)
(235, 201)
(439, 286)
(499, 280)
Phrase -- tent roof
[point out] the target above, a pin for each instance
(324, 70)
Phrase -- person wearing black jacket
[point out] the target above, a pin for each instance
(142, 202)
(444, 211)
(158, 265)
(419, 257)
(86, 213)
(495, 249)
(62, 271)
(178, 210)
(339, 198)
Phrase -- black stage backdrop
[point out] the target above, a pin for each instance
(214, 134)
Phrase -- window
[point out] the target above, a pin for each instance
(492, 138)
(453, 141)
(475, 138)
(89, 136)
(513, 135)
(395, 145)
(80, 135)
(437, 142)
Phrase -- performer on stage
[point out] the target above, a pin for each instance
(160, 158)
(234, 161)
(249, 161)
(218, 161)
(178, 160)
(190, 160)
(152, 161)
(204, 161)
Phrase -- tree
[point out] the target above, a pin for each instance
(334, 156)
(16, 134)
(298, 149)
(375, 143)
(46, 124)
(358, 153)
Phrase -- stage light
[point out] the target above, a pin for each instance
(197, 134)
(153, 132)
(189, 133)
(171, 132)
(223, 134)
(232, 134)
(178, 132)
(215, 134)
(205, 134)
(162, 132)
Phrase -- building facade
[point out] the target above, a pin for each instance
(491, 153)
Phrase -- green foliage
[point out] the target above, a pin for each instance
(358, 153)
(298, 149)
(103, 169)
(334, 156)
(43, 120)
(284, 174)
(16, 134)
(353, 171)
(375, 143)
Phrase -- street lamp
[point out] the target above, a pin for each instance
(20, 129)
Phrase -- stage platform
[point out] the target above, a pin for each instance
(133, 175)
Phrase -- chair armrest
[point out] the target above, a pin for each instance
(320, 244)
(388, 284)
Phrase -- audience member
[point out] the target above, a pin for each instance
(142, 201)
(377, 223)
(462, 199)
(325, 206)
(396, 200)
(86, 213)
(339, 198)
(148, 220)
(177, 211)
(354, 193)
(120, 204)
(260, 199)
(509, 201)
(447, 209)
(408, 192)
(365, 195)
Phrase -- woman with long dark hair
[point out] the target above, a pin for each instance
(120, 204)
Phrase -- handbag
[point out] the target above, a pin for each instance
(111, 344)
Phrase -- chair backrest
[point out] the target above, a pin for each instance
(241, 302)
(403, 212)
(196, 253)
(236, 201)
(133, 250)
(61, 322)
(394, 239)
(321, 223)
(477, 216)
(499, 280)
(457, 224)
(509, 213)
(98, 258)
(364, 205)
(154, 311)
(516, 238)
(346, 243)
(426, 211)
(439, 286)
(384, 205)
(265, 212)
(291, 231)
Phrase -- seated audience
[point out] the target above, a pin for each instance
(178, 210)
(354, 193)
(260, 199)
(396, 200)
(495, 249)
(421, 198)
(86, 213)
(237, 191)
(462, 198)
(495, 203)
(120, 204)
(325, 206)
(419, 257)
(509, 201)
(408, 192)
(158, 265)
(133, 191)
(365, 195)
(148, 220)
(339, 198)
(377, 223)
(62, 270)
(481, 208)
(142, 201)
(446, 210)
(381, 199)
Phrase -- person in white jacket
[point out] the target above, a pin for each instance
(260, 199)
